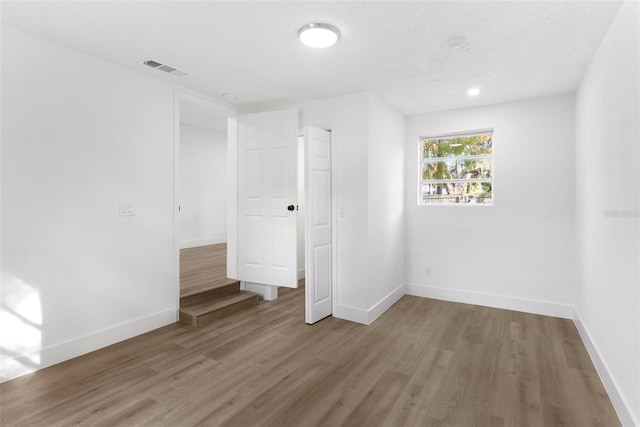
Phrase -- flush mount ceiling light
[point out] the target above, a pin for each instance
(473, 91)
(318, 35)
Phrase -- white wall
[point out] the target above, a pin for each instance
(517, 254)
(203, 186)
(607, 206)
(79, 135)
(385, 243)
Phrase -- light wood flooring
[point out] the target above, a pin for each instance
(423, 362)
(202, 267)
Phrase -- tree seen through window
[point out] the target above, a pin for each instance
(457, 168)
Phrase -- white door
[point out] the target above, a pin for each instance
(317, 187)
(267, 197)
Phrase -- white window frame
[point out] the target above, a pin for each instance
(423, 160)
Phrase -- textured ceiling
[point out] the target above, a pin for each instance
(398, 50)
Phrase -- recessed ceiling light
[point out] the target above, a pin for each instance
(473, 91)
(457, 42)
(318, 35)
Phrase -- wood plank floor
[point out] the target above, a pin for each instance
(424, 362)
(202, 267)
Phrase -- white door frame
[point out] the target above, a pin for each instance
(218, 108)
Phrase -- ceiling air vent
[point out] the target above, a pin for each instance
(164, 67)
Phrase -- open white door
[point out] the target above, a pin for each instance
(267, 197)
(317, 189)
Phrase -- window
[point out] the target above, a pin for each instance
(457, 168)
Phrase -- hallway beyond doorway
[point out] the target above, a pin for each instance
(202, 267)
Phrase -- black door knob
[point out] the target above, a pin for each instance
(290, 208)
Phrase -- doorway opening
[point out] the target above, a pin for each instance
(203, 178)
(204, 292)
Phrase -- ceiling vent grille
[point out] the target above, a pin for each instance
(164, 67)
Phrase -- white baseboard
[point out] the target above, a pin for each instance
(213, 240)
(620, 404)
(366, 317)
(385, 304)
(353, 314)
(490, 300)
(13, 367)
(300, 273)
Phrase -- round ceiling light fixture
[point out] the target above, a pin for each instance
(473, 91)
(318, 35)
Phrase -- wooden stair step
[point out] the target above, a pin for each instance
(205, 312)
(206, 285)
(209, 291)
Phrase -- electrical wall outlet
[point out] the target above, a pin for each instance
(127, 208)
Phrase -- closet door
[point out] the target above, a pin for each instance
(317, 173)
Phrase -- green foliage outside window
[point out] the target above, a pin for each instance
(447, 158)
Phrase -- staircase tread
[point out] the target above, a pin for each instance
(216, 284)
(218, 303)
